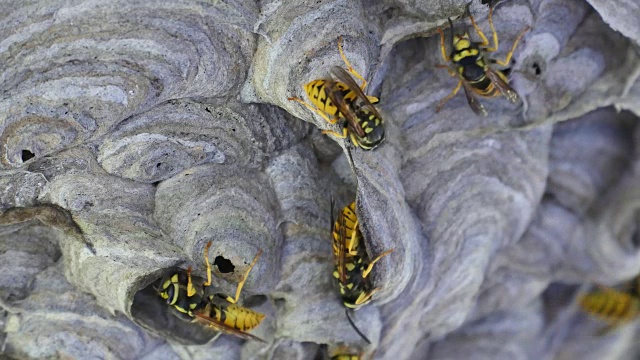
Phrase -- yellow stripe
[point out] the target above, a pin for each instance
(462, 43)
(176, 291)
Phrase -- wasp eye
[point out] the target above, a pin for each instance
(170, 293)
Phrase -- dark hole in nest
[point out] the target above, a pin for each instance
(255, 300)
(536, 68)
(224, 266)
(27, 155)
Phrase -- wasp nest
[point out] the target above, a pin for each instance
(134, 133)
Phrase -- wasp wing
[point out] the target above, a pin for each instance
(202, 318)
(339, 246)
(342, 75)
(334, 233)
(473, 100)
(501, 84)
(335, 95)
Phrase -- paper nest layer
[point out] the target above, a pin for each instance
(133, 133)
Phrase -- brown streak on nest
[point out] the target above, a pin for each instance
(47, 214)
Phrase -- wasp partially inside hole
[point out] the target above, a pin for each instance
(193, 298)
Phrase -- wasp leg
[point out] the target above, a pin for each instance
(451, 95)
(364, 297)
(349, 67)
(373, 99)
(485, 41)
(443, 50)
(354, 141)
(336, 134)
(206, 261)
(607, 329)
(244, 278)
(370, 267)
(315, 110)
(190, 289)
(507, 60)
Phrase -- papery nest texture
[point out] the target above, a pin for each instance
(133, 134)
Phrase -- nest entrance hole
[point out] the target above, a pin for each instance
(27, 155)
(225, 266)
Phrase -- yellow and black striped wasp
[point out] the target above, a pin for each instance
(344, 352)
(352, 264)
(347, 356)
(474, 73)
(190, 300)
(343, 98)
(616, 307)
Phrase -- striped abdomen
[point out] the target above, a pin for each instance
(316, 90)
(611, 305)
(236, 317)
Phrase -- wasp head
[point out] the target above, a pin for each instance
(169, 289)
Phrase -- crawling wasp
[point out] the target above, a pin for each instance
(345, 99)
(473, 71)
(616, 307)
(352, 264)
(188, 296)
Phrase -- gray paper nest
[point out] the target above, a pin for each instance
(132, 133)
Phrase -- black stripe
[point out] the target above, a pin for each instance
(223, 315)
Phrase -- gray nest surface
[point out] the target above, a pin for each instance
(133, 133)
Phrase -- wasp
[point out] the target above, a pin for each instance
(343, 98)
(473, 71)
(616, 307)
(352, 264)
(347, 356)
(343, 352)
(189, 297)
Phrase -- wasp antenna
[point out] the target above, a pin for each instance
(468, 6)
(351, 163)
(333, 204)
(450, 28)
(353, 325)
